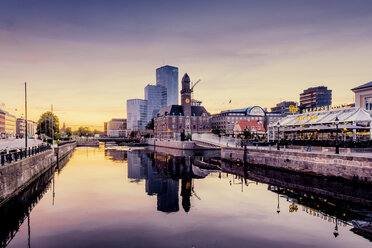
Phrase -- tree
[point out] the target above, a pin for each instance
(45, 123)
(83, 131)
(247, 134)
(68, 132)
(150, 125)
(133, 134)
(216, 131)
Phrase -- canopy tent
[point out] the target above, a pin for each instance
(351, 119)
(349, 115)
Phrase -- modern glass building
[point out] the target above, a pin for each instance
(153, 95)
(167, 76)
(316, 97)
(136, 114)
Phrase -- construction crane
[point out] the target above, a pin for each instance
(192, 89)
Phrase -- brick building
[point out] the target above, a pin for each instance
(185, 118)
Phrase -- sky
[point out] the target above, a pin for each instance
(88, 57)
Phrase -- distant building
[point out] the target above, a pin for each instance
(105, 129)
(10, 126)
(185, 118)
(315, 97)
(253, 126)
(117, 128)
(137, 114)
(155, 101)
(63, 129)
(363, 96)
(167, 76)
(2, 123)
(20, 128)
(283, 107)
(226, 120)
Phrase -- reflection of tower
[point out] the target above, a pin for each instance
(29, 230)
(168, 198)
(186, 187)
(153, 182)
(335, 232)
(278, 207)
(54, 193)
(136, 165)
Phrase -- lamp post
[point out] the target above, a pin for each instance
(337, 148)
(278, 145)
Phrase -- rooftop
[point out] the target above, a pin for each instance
(366, 85)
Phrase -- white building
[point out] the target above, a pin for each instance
(363, 96)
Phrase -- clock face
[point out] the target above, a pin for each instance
(187, 100)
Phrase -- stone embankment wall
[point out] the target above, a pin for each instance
(93, 143)
(175, 144)
(346, 166)
(16, 176)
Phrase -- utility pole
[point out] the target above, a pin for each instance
(26, 115)
(52, 126)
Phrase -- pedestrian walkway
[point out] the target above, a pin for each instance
(354, 154)
(7, 144)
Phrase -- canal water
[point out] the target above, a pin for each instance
(122, 197)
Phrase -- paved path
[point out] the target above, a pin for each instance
(17, 143)
(355, 154)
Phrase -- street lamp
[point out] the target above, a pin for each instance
(337, 148)
(278, 146)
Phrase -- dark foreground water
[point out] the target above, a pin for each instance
(141, 198)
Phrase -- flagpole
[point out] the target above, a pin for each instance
(26, 134)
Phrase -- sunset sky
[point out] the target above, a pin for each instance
(88, 57)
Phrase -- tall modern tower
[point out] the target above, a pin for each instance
(153, 95)
(167, 76)
(136, 114)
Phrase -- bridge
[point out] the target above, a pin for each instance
(213, 141)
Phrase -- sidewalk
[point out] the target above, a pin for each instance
(17, 143)
(356, 154)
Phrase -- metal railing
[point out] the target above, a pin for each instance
(15, 155)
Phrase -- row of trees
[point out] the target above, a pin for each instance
(48, 124)
(86, 132)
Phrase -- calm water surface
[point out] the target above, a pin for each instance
(141, 198)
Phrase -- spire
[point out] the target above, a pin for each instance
(186, 78)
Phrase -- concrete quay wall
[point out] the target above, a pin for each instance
(92, 143)
(16, 176)
(175, 144)
(330, 165)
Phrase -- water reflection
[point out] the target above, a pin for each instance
(17, 210)
(213, 203)
(341, 203)
(162, 173)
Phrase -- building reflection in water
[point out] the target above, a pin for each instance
(162, 173)
(18, 209)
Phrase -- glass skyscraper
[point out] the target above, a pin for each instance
(167, 76)
(155, 100)
(136, 114)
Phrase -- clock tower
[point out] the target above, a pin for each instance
(186, 96)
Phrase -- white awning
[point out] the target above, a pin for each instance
(348, 115)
